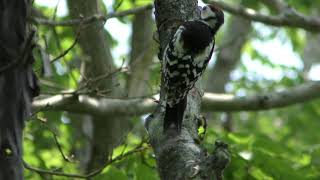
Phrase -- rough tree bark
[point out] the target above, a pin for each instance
(179, 156)
(17, 84)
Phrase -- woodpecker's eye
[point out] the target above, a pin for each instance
(204, 8)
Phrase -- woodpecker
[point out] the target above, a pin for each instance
(185, 59)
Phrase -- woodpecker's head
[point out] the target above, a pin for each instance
(213, 16)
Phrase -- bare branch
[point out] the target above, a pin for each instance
(91, 19)
(303, 93)
(86, 104)
(288, 17)
(277, 5)
(210, 102)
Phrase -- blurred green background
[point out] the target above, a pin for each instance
(255, 58)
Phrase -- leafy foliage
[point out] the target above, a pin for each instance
(275, 144)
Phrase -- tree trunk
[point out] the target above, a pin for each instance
(97, 61)
(142, 53)
(311, 51)
(179, 156)
(17, 85)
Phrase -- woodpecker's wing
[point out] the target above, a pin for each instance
(186, 57)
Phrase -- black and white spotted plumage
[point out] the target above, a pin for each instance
(185, 59)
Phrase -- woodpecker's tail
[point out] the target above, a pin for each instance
(174, 115)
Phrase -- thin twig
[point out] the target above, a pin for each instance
(137, 149)
(33, 114)
(55, 11)
(91, 19)
(117, 6)
(55, 137)
(88, 82)
(52, 172)
(65, 52)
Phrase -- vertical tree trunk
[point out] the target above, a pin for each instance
(142, 53)
(179, 156)
(97, 61)
(17, 85)
(311, 51)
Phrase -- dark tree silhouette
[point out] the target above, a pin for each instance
(17, 84)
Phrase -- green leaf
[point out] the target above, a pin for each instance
(112, 173)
